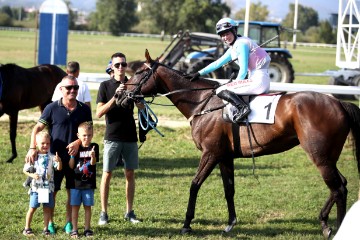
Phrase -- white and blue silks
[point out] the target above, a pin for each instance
(252, 60)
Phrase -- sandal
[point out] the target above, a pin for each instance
(88, 233)
(46, 232)
(74, 234)
(28, 232)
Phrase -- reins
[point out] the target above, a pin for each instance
(146, 112)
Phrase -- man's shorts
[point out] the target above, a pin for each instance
(69, 175)
(34, 200)
(85, 196)
(114, 149)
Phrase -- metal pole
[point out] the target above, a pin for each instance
(247, 14)
(295, 23)
(36, 35)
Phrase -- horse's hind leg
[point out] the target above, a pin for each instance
(337, 184)
(227, 175)
(13, 117)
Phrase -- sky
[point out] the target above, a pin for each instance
(277, 8)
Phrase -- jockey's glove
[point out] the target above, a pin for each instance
(194, 76)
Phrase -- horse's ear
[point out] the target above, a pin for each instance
(147, 55)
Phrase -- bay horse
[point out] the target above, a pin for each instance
(319, 123)
(23, 88)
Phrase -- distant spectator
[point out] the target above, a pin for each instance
(73, 68)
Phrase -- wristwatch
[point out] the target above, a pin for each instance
(116, 95)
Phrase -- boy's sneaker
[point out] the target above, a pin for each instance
(51, 228)
(68, 227)
(104, 218)
(131, 217)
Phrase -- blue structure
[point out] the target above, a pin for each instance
(53, 32)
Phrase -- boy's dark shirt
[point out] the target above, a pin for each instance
(85, 173)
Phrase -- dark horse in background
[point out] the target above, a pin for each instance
(23, 88)
(319, 123)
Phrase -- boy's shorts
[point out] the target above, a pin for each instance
(85, 196)
(34, 200)
(114, 149)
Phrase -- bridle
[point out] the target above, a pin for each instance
(134, 94)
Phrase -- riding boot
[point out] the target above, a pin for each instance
(242, 107)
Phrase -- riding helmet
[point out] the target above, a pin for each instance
(225, 25)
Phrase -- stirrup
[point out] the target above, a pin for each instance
(238, 117)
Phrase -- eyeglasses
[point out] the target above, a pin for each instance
(75, 87)
(123, 64)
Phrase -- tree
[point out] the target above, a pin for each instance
(326, 32)
(6, 9)
(258, 12)
(201, 15)
(307, 17)
(171, 16)
(5, 20)
(114, 16)
(160, 15)
(72, 15)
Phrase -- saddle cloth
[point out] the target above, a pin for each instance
(262, 109)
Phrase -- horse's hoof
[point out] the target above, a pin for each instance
(327, 232)
(186, 230)
(230, 227)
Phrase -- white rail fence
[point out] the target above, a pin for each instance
(94, 79)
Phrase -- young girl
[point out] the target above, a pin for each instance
(42, 184)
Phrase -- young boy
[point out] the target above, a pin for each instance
(42, 183)
(84, 165)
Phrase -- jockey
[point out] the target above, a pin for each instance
(253, 62)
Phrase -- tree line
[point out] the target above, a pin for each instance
(168, 17)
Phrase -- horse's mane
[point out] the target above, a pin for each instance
(184, 75)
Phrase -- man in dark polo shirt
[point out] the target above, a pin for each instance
(62, 118)
(120, 137)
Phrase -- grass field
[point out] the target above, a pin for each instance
(284, 204)
(93, 52)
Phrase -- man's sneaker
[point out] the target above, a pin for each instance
(51, 228)
(68, 227)
(104, 218)
(131, 217)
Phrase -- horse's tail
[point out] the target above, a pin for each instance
(353, 112)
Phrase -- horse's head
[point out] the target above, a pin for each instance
(142, 83)
(156, 78)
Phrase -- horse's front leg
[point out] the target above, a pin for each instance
(227, 175)
(13, 117)
(206, 165)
